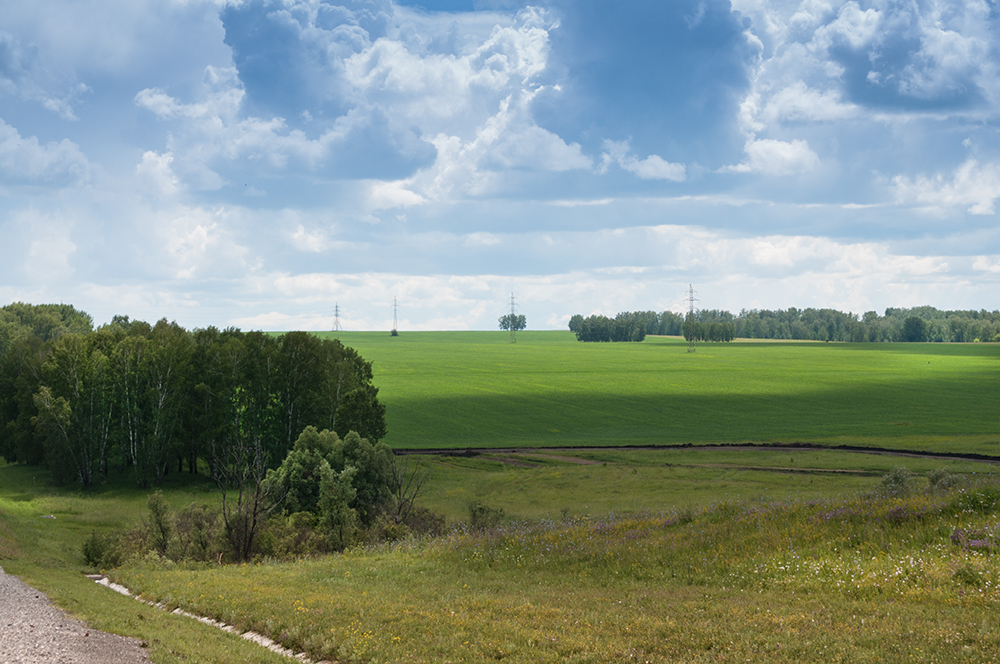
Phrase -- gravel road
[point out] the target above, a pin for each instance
(32, 631)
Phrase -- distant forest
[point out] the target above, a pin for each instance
(898, 324)
(144, 399)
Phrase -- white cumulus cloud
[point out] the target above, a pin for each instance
(973, 186)
(653, 167)
(772, 157)
(24, 160)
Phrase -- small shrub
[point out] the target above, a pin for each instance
(897, 482)
(483, 516)
(197, 534)
(160, 526)
(941, 480)
(425, 522)
(98, 549)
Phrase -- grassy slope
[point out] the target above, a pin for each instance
(474, 389)
(858, 580)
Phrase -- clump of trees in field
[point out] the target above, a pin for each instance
(140, 399)
(896, 325)
(626, 326)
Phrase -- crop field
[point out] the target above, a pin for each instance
(475, 390)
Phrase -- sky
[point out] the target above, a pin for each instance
(266, 163)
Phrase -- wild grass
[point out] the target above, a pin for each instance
(861, 579)
(726, 574)
(474, 389)
(550, 485)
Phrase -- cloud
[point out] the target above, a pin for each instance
(771, 157)
(154, 170)
(652, 167)
(23, 160)
(973, 185)
(24, 75)
(481, 240)
(799, 103)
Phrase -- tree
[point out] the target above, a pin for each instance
(516, 322)
(575, 323)
(914, 329)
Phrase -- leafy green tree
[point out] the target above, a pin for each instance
(20, 378)
(75, 409)
(914, 329)
(517, 322)
(575, 323)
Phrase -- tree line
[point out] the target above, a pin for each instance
(131, 397)
(896, 325)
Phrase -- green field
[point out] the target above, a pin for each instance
(475, 389)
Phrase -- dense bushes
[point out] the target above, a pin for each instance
(328, 494)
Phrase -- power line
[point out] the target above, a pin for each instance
(513, 319)
(693, 340)
(395, 307)
(336, 318)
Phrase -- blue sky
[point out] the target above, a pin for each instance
(255, 163)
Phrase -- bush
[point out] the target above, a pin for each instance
(426, 522)
(484, 517)
(941, 480)
(897, 482)
(197, 534)
(160, 526)
(97, 550)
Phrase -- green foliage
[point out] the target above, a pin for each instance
(626, 326)
(897, 482)
(347, 484)
(941, 479)
(136, 398)
(513, 321)
(914, 329)
(338, 520)
(483, 516)
(160, 526)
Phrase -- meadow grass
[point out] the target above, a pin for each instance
(553, 484)
(862, 579)
(727, 556)
(475, 389)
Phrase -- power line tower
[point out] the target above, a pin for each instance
(395, 307)
(513, 319)
(336, 318)
(693, 340)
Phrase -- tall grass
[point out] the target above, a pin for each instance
(869, 578)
